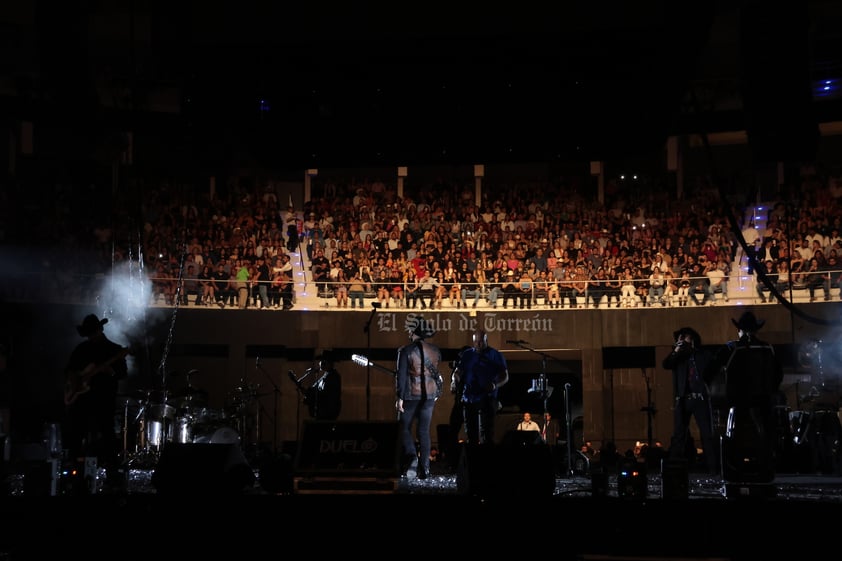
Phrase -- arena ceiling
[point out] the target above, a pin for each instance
(578, 81)
(322, 84)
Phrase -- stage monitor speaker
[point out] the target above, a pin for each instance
(507, 471)
(276, 475)
(521, 438)
(675, 479)
(189, 469)
(599, 482)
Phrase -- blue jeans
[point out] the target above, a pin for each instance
(263, 294)
(356, 296)
(475, 294)
(419, 411)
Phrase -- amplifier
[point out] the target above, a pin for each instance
(368, 448)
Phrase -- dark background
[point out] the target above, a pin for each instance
(328, 84)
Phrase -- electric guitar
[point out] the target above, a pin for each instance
(363, 361)
(79, 382)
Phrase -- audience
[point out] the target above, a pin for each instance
(634, 247)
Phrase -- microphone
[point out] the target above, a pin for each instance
(516, 342)
(257, 361)
(292, 376)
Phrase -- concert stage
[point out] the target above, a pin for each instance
(574, 520)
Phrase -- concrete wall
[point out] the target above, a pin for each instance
(243, 358)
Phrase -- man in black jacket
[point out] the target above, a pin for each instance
(691, 372)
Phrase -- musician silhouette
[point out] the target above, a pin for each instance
(324, 396)
(94, 369)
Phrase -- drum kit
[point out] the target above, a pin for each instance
(152, 419)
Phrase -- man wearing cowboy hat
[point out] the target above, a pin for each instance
(92, 375)
(752, 378)
(418, 385)
(691, 369)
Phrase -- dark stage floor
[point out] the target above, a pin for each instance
(580, 517)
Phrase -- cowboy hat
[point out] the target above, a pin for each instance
(90, 325)
(748, 322)
(697, 339)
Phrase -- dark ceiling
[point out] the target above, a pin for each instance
(314, 84)
(442, 85)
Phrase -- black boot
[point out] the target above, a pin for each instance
(409, 465)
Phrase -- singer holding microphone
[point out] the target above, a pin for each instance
(691, 374)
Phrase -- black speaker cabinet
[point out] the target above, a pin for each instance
(349, 448)
(675, 478)
(348, 457)
(202, 469)
(506, 470)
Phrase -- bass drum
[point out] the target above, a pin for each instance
(220, 435)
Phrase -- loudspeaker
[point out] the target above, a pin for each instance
(331, 448)
(276, 475)
(675, 479)
(187, 469)
(519, 470)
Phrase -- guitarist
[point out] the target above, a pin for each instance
(94, 368)
(417, 387)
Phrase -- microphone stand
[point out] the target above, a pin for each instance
(367, 331)
(545, 395)
(298, 381)
(277, 392)
(569, 420)
(649, 409)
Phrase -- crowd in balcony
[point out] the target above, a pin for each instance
(524, 245)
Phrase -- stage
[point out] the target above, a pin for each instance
(581, 517)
